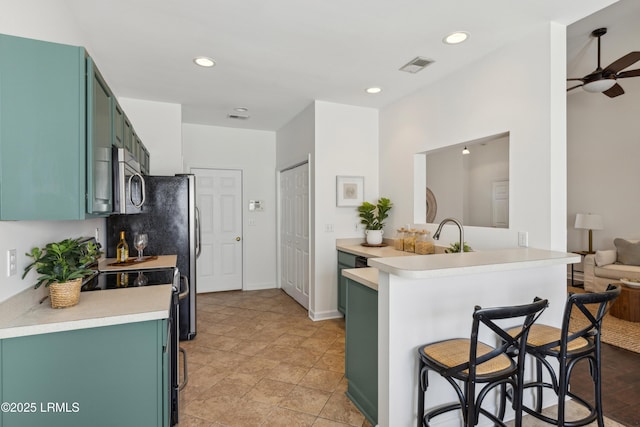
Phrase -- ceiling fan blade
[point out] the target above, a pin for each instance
(630, 73)
(616, 90)
(571, 88)
(581, 80)
(624, 62)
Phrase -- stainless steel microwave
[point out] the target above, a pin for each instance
(128, 183)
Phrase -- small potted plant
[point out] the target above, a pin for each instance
(61, 267)
(455, 248)
(372, 217)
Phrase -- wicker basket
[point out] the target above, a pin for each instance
(65, 294)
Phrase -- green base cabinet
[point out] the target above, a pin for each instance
(107, 376)
(345, 260)
(361, 348)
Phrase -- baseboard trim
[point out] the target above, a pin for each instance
(325, 315)
(259, 286)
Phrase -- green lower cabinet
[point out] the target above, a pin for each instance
(361, 348)
(107, 376)
(345, 260)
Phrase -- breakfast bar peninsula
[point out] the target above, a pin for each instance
(422, 299)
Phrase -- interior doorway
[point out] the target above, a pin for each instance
(294, 232)
(219, 198)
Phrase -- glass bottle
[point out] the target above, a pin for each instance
(122, 250)
(398, 242)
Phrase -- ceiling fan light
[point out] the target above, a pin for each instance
(599, 85)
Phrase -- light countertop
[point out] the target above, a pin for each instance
(440, 265)
(365, 276)
(354, 246)
(95, 309)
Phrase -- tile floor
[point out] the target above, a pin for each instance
(258, 360)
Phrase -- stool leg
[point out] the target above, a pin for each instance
(539, 387)
(597, 383)
(563, 388)
(503, 400)
(423, 383)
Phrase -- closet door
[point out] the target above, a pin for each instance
(294, 233)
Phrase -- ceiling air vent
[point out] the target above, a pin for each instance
(416, 64)
(237, 116)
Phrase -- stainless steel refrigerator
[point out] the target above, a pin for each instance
(170, 218)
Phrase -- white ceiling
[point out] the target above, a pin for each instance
(277, 56)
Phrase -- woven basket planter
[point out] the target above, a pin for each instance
(65, 294)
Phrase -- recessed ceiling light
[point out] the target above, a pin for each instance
(373, 90)
(241, 109)
(204, 61)
(455, 38)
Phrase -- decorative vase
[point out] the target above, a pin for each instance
(374, 237)
(65, 294)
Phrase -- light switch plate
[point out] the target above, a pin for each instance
(12, 263)
(523, 239)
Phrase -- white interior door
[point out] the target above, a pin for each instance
(219, 198)
(500, 204)
(294, 233)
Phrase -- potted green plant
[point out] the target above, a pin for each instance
(455, 248)
(372, 217)
(61, 267)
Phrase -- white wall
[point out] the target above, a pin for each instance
(159, 126)
(346, 144)
(342, 140)
(253, 152)
(517, 89)
(603, 146)
(45, 21)
(603, 172)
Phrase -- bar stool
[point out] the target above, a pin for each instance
(473, 362)
(568, 348)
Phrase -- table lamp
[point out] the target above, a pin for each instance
(589, 222)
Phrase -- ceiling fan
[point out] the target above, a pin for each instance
(604, 80)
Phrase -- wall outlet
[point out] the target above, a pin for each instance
(12, 263)
(328, 228)
(523, 239)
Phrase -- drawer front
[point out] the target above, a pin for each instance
(347, 259)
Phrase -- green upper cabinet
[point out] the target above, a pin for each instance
(99, 141)
(128, 135)
(58, 122)
(42, 130)
(118, 126)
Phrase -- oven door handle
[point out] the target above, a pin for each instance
(182, 295)
(185, 374)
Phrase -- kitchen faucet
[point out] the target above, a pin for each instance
(456, 222)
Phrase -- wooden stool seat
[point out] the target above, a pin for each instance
(475, 363)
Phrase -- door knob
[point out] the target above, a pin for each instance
(238, 239)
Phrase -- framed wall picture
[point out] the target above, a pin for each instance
(349, 190)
